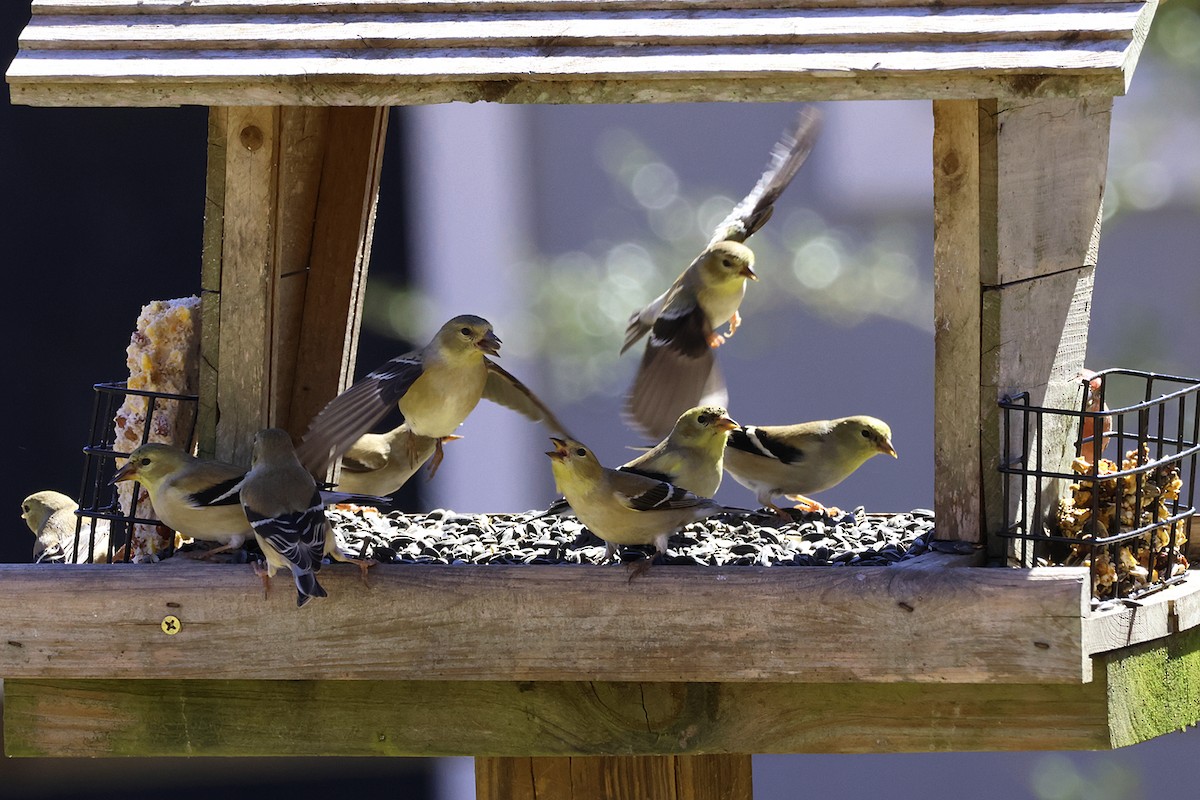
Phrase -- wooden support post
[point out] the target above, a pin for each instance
(708, 777)
(290, 212)
(1018, 189)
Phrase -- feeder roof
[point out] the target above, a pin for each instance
(385, 52)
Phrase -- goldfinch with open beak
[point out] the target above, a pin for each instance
(797, 460)
(623, 507)
(380, 463)
(51, 517)
(281, 500)
(199, 497)
(678, 369)
(435, 388)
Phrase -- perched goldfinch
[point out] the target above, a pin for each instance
(623, 507)
(281, 501)
(678, 369)
(200, 498)
(195, 497)
(690, 458)
(795, 460)
(380, 463)
(435, 388)
(51, 517)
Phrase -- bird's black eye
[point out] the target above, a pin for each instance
(579, 451)
(866, 433)
(465, 331)
(25, 509)
(145, 462)
(725, 262)
(702, 419)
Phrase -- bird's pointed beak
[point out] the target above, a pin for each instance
(559, 453)
(128, 470)
(887, 449)
(490, 344)
(724, 423)
(749, 272)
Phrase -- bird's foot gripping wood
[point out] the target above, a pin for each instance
(265, 574)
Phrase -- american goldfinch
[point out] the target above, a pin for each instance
(1089, 448)
(380, 463)
(51, 517)
(678, 369)
(795, 460)
(435, 388)
(623, 507)
(691, 457)
(200, 498)
(281, 501)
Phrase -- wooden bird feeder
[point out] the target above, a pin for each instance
(673, 680)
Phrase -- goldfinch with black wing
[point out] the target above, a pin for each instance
(678, 369)
(797, 460)
(623, 508)
(435, 389)
(281, 501)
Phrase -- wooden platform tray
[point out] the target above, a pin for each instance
(530, 660)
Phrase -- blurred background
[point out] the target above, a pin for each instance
(555, 223)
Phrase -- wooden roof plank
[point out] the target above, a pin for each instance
(772, 26)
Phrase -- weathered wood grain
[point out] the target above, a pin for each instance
(957, 255)
(701, 777)
(374, 54)
(342, 227)
(210, 283)
(506, 719)
(249, 278)
(498, 622)
(1018, 191)
(691, 27)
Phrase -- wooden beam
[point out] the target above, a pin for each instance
(497, 622)
(1154, 688)
(289, 215)
(1018, 189)
(704, 777)
(153, 717)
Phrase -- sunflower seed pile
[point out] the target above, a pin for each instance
(810, 539)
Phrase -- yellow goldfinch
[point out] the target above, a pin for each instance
(51, 517)
(623, 507)
(380, 463)
(198, 497)
(435, 388)
(281, 501)
(690, 458)
(795, 460)
(678, 369)
(195, 497)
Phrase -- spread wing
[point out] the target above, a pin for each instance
(504, 389)
(668, 383)
(788, 155)
(352, 413)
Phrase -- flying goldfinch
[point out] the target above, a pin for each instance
(51, 517)
(796, 460)
(281, 501)
(623, 507)
(198, 497)
(380, 463)
(678, 369)
(435, 388)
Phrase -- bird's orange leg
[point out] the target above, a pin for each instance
(363, 564)
(808, 504)
(265, 574)
(735, 322)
